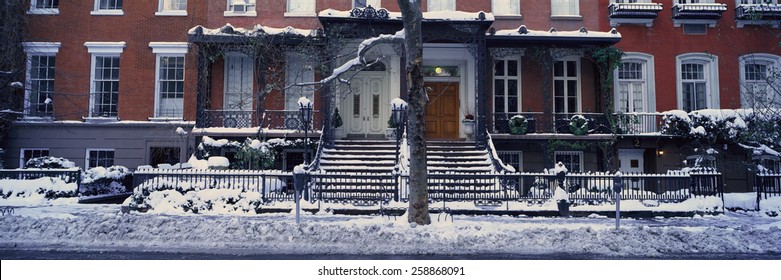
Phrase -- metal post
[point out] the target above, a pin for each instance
(618, 185)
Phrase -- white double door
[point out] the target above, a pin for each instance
(366, 108)
(631, 161)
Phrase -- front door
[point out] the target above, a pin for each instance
(442, 110)
(367, 105)
(631, 162)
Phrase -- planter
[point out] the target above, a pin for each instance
(469, 127)
(563, 208)
(339, 133)
(390, 134)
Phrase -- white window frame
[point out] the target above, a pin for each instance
(571, 11)
(505, 78)
(42, 11)
(87, 158)
(36, 49)
(630, 1)
(97, 11)
(291, 12)
(22, 161)
(711, 75)
(649, 80)
(374, 3)
(692, 2)
(575, 59)
(249, 12)
(760, 158)
(163, 11)
(101, 49)
(500, 8)
(773, 64)
(249, 78)
(571, 153)
(518, 168)
(167, 49)
(441, 5)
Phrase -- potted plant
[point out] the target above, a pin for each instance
(337, 123)
(469, 124)
(518, 125)
(578, 125)
(390, 132)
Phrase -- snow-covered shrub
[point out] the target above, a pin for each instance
(198, 201)
(218, 163)
(518, 125)
(100, 180)
(676, 123)
(35, 191)
(49, 162)
(578, 125)
(254, 155)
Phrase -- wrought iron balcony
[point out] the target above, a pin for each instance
(764, 14)
(633, 13)
(268, 119)
(598, 123)
(705, 13)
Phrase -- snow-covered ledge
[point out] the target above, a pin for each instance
(97, 120)
(172, 13)
(244, 14)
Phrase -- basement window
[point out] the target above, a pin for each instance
(695, 29)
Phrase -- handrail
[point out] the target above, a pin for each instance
(499, 166)
(315, 164)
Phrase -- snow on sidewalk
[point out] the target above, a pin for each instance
(90, 227)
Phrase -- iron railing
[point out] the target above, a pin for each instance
(272, 185)
(634, 10)
(626, 123)
(268, 119)
(758, 12)
(698, 11)
(768, 184)
(71, 175)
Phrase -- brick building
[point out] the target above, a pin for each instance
(124, 75)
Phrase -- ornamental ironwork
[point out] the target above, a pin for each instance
(369, 13)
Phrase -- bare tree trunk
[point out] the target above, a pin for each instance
(416, 132)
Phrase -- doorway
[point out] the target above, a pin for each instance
(442, 111)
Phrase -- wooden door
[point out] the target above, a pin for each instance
(442, 111)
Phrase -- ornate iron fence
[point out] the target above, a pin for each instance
(268, 119)
(273, 186)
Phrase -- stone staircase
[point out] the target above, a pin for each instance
(361, 171)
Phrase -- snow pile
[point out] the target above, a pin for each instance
(398, 103)
(104, 181)
(304, 102)
(771, 206)
(257, 30)
(41, 191)
(744, 201)
(218, 163)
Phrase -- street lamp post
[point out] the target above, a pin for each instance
(305, 107)
(398, 109)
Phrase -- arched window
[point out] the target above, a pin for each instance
(760, 80)
(634, 84)
(697, 77)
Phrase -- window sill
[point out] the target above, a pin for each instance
(44, 12)
(108, 13)
(37, 119)
(245, 14)
(166, 119)
(100, 119)
(172, 13)
(509, 16)
(299, 14)
(566, 17)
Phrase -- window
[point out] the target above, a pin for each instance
(635, 88)
(512, 158)
(104, 84)
(107, 7)
(572, 160)
(760, 80)
(694, 1)
(630, 1)
(695, 29)
(297, 71)
(172, 8)
(441, 5)
(169, 78)
(99, 157)
(506, 7)
(51, 7)
(240, 8)
(566, 87)
(769, 163)
(164, 155)
(366, 3)
(300, 8)
(697, 78)
(238, 82)
(565, 8)
(507, 88)
(27, 154)
(40, 74)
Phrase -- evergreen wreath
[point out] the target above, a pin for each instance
(578, 125)
(518, 125)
